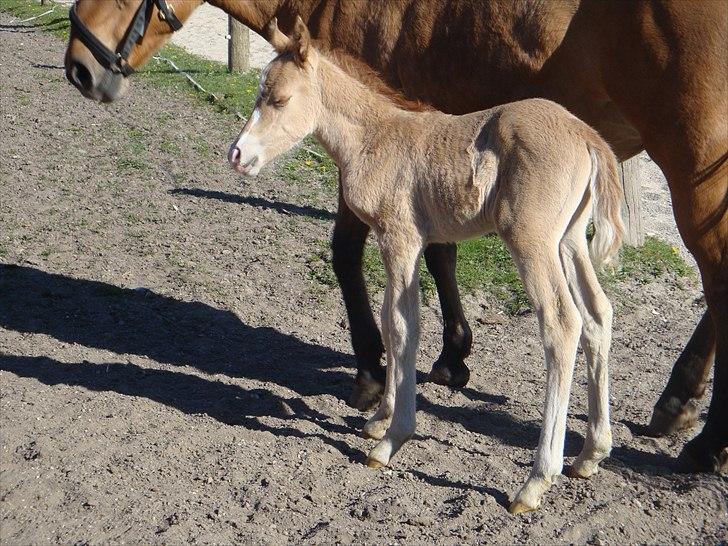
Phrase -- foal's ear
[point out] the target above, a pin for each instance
(301, 41)
(277, 39)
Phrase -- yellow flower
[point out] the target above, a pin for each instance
(308, 163)
(675, 250)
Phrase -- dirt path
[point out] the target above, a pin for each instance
(169, 373)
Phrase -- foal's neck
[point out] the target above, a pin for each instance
(353, 117)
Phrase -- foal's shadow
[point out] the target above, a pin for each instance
(140, 322)
(257, 202)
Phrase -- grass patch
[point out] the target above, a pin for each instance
(653, 260)
(131, 164)
(56, 22)
(309, 161)
(484, 264)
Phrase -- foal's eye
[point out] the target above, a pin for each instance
(281, 102)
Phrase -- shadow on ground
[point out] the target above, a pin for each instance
(257, 202)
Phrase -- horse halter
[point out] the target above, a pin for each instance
(118, 61)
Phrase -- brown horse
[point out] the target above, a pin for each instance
(647, 75)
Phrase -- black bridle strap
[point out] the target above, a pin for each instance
(103, 54)
(168, 15)
(118, 61)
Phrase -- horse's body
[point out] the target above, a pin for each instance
(529, 170)
(647, 75)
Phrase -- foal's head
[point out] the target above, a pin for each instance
(287, 104)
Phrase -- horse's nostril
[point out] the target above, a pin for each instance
(80, 76)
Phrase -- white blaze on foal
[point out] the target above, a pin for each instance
(246, 154)
(528, 170)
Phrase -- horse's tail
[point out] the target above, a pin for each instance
(606, 190)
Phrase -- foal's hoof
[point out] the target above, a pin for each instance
(366, 393)
(696, 457)
(375, 429)
(373, 463)
(455, 376)
(581, 471)
(672, 417)
(517, 507)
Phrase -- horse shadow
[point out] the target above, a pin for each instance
(188, 393)
(257, 202)
(141, 322)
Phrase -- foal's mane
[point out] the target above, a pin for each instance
(365, 74)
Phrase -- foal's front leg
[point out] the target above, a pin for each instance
(395, 417)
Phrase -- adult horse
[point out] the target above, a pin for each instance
(647, 75)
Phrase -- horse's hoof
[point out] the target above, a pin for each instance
(672, 417)
(517, 507)
(373, 463)
(696, 457)
(366, 393)
(444, 375)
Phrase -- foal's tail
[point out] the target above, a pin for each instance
(606, 190)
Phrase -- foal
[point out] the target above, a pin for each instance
(528, 170)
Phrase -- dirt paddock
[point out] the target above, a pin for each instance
(169, 371)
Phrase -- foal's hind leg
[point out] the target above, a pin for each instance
(596, 337)
(347, 246)
(560, 325)
(449, 369)
(400, 327)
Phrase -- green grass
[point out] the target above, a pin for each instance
(484, 264)
(653, 260)
(55, 23)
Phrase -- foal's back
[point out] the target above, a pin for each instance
(475, 173)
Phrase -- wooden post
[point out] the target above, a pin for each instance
(632, 205)
(238, 46)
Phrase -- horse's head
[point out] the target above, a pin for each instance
(109, 39)
(287, 105)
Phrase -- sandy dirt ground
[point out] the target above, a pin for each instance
(169, 371)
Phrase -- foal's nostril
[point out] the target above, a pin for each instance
(80, 76)
(234, 157)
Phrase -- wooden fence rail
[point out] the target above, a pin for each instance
(632, 205)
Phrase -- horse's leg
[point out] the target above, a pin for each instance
(560, 325)
(449, 369)
(701, 211)
(677, 407)
(347, 247)
(596, 339)
(682, 121)
(401, 328)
